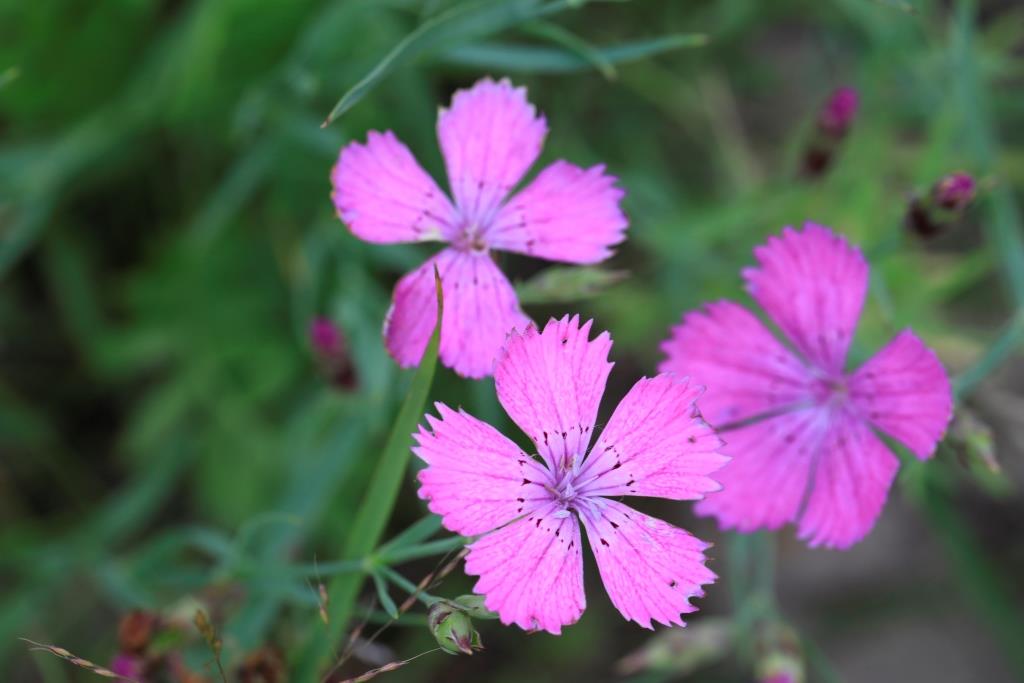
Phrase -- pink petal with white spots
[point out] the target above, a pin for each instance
(531, 571)
(490, 136)
(747, 371)
(550, 383)
(812, 283)
(566, 214)
(383, 195)
(650, 569)
(765, 483)
(655, 444)
(475, 478)
(480, 309)
(904, 391)
(852, 477)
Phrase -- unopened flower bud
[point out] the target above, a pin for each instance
(331, 351)
(834, 121)
(136, 630)
(128, 665)
(930, 215)
(453, 629)
(839, 112)
(954, 192)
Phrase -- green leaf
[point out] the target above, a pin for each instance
(563, 284)
(455, 26)
(375, 509)
(418, 532)
(546, 59)
(574, 44)
(382, 594)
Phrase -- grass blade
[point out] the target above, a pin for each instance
(375, 509)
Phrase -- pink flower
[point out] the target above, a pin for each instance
(800, 430)
(490, 136)
(530, 558)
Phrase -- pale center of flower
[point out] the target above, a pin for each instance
(832, 391)
(471, 238)
(564, 492)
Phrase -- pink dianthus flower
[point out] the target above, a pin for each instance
(801, 431)
(530, 556)
(490, 136)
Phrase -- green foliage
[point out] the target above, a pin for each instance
(166, 236)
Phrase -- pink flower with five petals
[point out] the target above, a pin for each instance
(490, 136)
(529, 558)
(799, 428)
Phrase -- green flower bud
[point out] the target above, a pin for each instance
(453, 629)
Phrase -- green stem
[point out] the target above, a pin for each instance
(373, 513)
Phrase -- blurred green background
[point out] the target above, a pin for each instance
(168, 437)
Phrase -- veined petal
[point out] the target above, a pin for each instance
(383, 195)
(765, 483)
(490, 136)
(904, 391)
(655, 444)
(550, 383)
(747, 371)
(650, 569)
(480, 309)
(475, 478)
(812, 283)
(852, 477)
(531, 571)
(566, 214)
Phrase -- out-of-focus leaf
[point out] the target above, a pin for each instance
(547, 59)
(570, 41)
(386, 603)
(563, 284)
(681, 651)
(452, 27)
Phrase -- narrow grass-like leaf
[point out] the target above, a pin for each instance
(455, 26)
(375, 510)
(386, 603)
(550, 59)
(418, 532)
(561, 37)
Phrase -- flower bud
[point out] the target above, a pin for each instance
(453, 629)
(128, 665)
(331, 351)
(837, 116)
(136, 630)
(954, 192)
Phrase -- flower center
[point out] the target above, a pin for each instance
(471, 238)
(563, 491)
(831, 391)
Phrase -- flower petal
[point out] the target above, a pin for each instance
(904, 391)
(475, 478)
(490, 136)
(384, 196)
(766, 481)
(566, 214)
(812, 284)
(480, 309)
(650, 569)
(747, 371)
(531, 571)
(656, 444)
(851, 483)
(550, 383)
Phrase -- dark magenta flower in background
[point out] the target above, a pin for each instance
(799, 428)
(490, 137)
(954, 192)
(839, 112)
